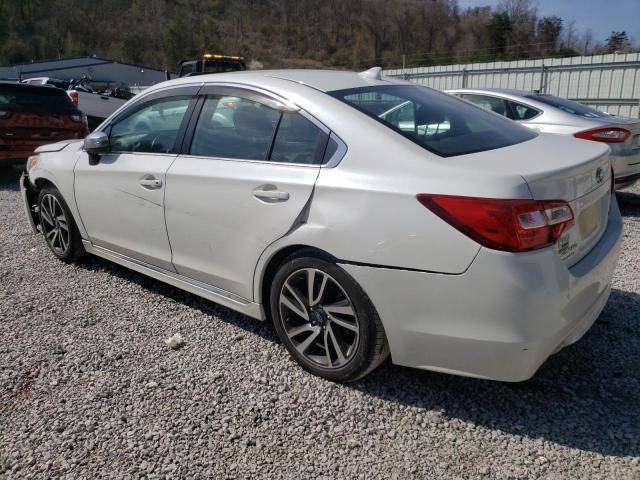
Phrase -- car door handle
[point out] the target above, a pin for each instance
(270, 194)
(150, 182)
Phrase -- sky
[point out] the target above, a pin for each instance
(601, 16)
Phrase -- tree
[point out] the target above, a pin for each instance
(285, 33)
(498, 31)
(618, 42)
(548, 33)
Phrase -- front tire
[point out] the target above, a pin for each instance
(325, 319)
(58, 227)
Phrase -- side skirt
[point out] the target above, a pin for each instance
(203, 290)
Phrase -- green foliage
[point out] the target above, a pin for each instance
(549, 29)
(279, 33)
(618, 42)
(498, 30)
(566, 52)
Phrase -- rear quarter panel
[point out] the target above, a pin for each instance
(365, 209)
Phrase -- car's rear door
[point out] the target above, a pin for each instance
(121, 197)
(245, 173)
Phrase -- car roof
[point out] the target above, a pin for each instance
(323, 80)
(509, 92)
(29, 86)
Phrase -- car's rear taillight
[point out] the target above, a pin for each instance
(503, 224)
(81, 118)
(607, 135)
(73, 95)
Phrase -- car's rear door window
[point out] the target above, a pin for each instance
(234, 127)
(436, 121)
(493, 104)
(298, 140)
(522, 112)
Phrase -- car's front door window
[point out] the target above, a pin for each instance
(152, 128)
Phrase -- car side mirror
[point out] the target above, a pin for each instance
(95, 144)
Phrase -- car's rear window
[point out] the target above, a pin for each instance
(568, 106)
(48, 99)
(440, 123)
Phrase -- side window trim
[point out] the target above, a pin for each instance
(270, 101)
(190, 128)
(338, 155)
(191, 90)
(273, 139)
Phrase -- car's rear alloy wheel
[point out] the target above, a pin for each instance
(319, 318)
(325, 320)
(57, 225)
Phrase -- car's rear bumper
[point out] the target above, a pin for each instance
(499, 320)
(626, 167)
(626, 180)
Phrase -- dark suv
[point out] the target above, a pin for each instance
(34, 115)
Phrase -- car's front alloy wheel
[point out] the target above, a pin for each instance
(325, 320)
(57, 226)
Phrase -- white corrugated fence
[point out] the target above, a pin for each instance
(606, 82)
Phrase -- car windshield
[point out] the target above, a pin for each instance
(43, 99)
(568, 106)
(438, 122)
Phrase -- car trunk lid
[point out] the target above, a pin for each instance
(557, 167)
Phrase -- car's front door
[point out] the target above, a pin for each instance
(239, 185)
(121, 197)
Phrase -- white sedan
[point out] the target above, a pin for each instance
(446, 236)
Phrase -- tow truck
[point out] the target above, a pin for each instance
(211, 63)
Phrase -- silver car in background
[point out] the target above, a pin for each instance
(551, 114)
(363, 216)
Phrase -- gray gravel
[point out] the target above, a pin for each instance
(89, 389)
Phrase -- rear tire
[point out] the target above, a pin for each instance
(325, 320)
(58, 227)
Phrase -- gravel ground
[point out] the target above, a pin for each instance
(88, 389)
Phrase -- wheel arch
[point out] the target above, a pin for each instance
(271, 265)
(40, 178)
(32, 191)
(43, 182)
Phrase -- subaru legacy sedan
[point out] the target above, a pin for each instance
(551, 114)
(438, 233)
